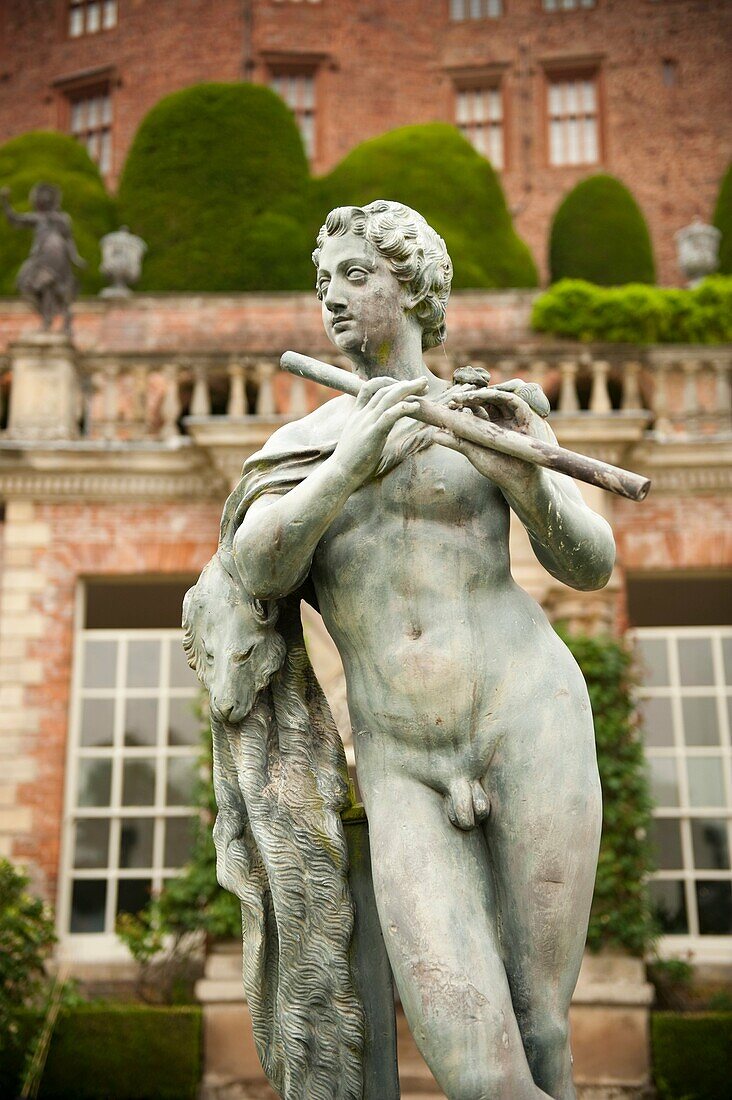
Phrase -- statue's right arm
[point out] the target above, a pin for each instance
(275, 543)
(12, 215)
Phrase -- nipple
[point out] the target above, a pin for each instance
(467, 803)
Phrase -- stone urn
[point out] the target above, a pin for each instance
(122, 254)
(698, 251)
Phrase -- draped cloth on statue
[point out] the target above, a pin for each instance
(281, 784)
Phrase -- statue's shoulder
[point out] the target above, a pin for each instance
(321, 426)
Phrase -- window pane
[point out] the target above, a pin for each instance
(141, 719)
(657, 723)
(92, 843)
(706, 781)
(138, 783)
(106, 110)
(88, 899)
(695, 661)
(110, 14)
(700, 720)
(653, 660)
(143, 663)
(664, 781)
(181, 780)
(181, 675)
(76, 22)
(571, 98)
(711, 849)
(555, 99)
(97, 722)
(136, 842)
(184, 725)
(105, 152)
(178, 841)
(100, 664)
(462, 109)
(588, 96)
(93, 16)
(669, 905)
(77, 117)
(727, 656)
(714, 901)
(133, 894)
(666, 840)
(95, 782)
(556, 143)
(591, 155)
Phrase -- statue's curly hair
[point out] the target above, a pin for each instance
(415, 253)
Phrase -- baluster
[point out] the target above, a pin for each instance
(237, 405)
(139, 402)
(691, 407)
(298, 397)
(600, 402)
(265, 404)
(201, 396)
(568, 402)
(110, 400)
(171, 407)
(631, 387)
(663, 425)
(722, 395)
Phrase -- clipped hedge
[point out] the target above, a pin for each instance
(637, 314)
(435, 170)
(119, 1052)
(621, 913)
(692, 1055)
(216, 182)
(723, 221)
(599, 233)
(54, 158)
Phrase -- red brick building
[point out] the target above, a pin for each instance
(550, 90)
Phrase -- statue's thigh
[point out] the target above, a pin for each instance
(436, 905)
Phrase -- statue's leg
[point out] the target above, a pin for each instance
(46, 308)
(543, 836)
(436, 905)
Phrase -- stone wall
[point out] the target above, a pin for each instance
(385, 63)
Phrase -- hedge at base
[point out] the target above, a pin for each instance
(692, 1055)
(723, 221)
(621, 915)
(54, 158)
(217, 183)
(637, 314)
(119, 1052)
(599, 234)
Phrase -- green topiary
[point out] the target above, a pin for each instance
(599, 234)
(54, 158)
(436, 171)
(215, 182)
(621, 912)
(723, 221)
(692, 1055)
(637, 313)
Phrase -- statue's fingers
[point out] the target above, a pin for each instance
(510, 404)
(530, 392)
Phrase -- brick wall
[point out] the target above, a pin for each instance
(47, 548)
(385, 63)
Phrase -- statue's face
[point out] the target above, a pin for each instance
(364, 304)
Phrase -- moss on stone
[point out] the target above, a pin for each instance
(599, 234)
(47, 157)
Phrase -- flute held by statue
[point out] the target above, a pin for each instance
(550, 455)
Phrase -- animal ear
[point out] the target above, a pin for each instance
(265, 611)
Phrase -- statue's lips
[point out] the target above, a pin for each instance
(340, 322)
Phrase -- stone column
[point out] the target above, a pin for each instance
(45, 394)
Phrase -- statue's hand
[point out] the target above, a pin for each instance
(380, 403)
(516, 405)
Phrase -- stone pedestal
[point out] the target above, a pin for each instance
(610, 1027)
(45, 391)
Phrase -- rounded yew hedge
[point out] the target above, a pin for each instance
(599, 234)
(723, 221)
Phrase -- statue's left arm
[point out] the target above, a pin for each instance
(572, 542)
(19, 220)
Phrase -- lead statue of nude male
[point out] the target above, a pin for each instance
(473, 732)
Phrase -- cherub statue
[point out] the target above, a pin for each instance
(47, 278)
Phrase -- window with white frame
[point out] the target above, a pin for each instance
(573, 120)
(686, 704)
(90, 122)
(132, 766)
(460, 10)
(479, 117)
(91, 16)
(567, 5)
(298, 91)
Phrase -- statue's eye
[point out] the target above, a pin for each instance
(244, 654)
(356, 274)
(321, 287)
